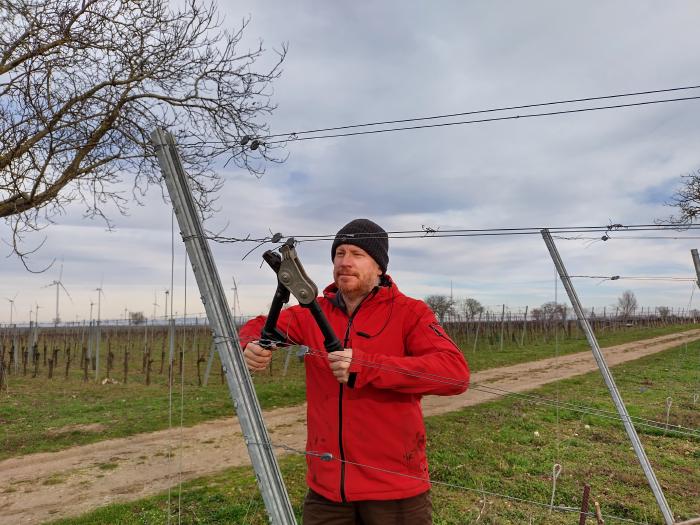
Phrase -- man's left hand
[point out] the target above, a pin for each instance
(340, 364)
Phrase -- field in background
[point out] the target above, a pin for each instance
(48, 404)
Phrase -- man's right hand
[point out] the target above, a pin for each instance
(256, 357)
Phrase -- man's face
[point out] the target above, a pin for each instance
(354, 270)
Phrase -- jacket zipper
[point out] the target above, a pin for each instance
(340, 407)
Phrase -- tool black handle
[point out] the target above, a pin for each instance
(330, 340)
(270, 334)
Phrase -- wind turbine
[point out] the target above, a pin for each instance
(236, 304)
(98, 335)
(12, 305)
(155, 304)
(100, 293)
(58, 284)
(36, 329)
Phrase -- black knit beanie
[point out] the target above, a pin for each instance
(367, 235)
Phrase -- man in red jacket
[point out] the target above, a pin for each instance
(366, 438)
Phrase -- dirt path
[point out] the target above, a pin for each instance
(44, 486)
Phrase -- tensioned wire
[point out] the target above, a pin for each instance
(557, 460)
(294, 135)
(494, 390)
(480, 111)
(628, 238)
(696, 391)
(182, 391)
(327, 456)
(482, 120)
(428, 232)
(170, 328)
(634, 278)
(607, 414)
(504, 392)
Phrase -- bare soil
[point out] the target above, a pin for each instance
(45, 486)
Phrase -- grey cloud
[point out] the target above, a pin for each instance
(358, 62)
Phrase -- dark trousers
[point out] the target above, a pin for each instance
(417, 510)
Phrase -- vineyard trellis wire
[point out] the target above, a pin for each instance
(220, 338)
(115, 334)
(171, 170)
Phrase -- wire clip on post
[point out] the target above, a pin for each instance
(292, 279)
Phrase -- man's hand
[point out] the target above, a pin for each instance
(256, 357)
(340, 364)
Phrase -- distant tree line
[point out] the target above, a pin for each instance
(447, 308)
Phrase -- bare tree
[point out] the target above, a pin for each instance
(441, 305)
(550, 311)
(83, 83)
(687, 199)
(471, 308)
(537, 314)
(627, 304)
(664, 312)
(137, 318)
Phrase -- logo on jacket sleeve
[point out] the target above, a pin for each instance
(435, 327)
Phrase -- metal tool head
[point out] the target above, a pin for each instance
(292, 275)
(273, 259)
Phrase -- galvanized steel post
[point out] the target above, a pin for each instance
(210, 360)
(696, 262)
(609, 381)
(245, 401)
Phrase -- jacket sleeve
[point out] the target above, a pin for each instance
(289, 324)
(432, 364)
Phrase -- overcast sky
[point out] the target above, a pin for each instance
(354, 62)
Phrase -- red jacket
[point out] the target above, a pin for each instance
(397, 347)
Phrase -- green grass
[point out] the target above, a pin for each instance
(591, 449)
(508, 447)
(488, 353)
(41, 415)
(49, 416)
(226, 498)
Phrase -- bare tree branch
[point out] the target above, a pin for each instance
(84, 83)
(687, 200)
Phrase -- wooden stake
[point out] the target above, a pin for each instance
(67, 362)
(149, 365)
(584, 504)
(598, 514)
